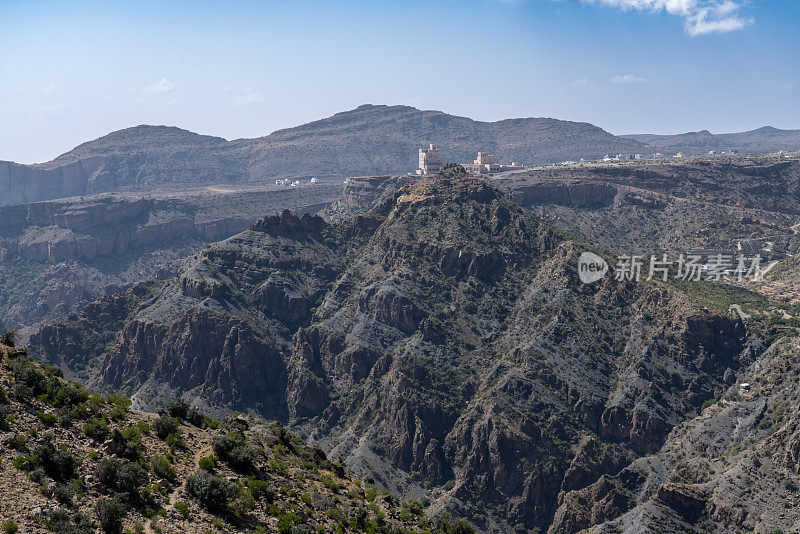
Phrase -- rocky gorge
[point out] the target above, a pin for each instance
(440, 342)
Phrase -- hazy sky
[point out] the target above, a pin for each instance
(73, 71)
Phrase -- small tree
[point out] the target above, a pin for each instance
(8, 338)
(213, 492)
(110, 513)
(166, 425)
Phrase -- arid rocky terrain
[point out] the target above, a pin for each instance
(76, 462)
(441, 343)
(57, 256)
(430, 334)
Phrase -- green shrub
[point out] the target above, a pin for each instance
(208, 463)
(183, 508)
(5, 416)
(26, 374)
(127, 442)
(7, 339)
(213, 492)
(25, 462)
(175, 441)
(67, 394)
(64, 494)
(286, 522)
(166, 425)
(96, 429)
(179, 408)
(234, 449)
(17, 443)
(120, 475)
(415, 506)
(260, 489)
(56, 462)
(120, 405)
(110, 513)
(329, 483)
(162, 468)
(49, 419)
(61, 521)
(9, 527)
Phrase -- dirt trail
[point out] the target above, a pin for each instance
(192, 440)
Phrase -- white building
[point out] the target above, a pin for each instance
(485, 164)
(430, 160)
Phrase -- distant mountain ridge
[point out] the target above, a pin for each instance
(765, 139)
(368, 140)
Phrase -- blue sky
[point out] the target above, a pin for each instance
(73, 71)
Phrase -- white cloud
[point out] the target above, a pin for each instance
(249, 98)
(163, 86)
(581, 83)
(47, 90)
(626, 79)
(700, 17)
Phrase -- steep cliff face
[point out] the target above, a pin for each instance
(733, 468)
(441, 340)
(25, 183)
(104, 228)
(56, 256)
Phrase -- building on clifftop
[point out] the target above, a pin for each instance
(485, 164)
(430, 160)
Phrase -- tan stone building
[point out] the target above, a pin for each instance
(430, 160)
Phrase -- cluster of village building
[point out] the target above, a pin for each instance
(430, 162)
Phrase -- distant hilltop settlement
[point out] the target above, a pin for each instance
(430, 162)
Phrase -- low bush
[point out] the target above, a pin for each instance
(260, 489)
(162, 468)
(120, 475)
(5, 417)
(213, 492)
(64, 494)
(127, 442)
(29, 377)
(234, 449)
(62, 522)
(49, 419)
(8, 338)
(56, 462)
(120, 405)
(96, 429)
(183, 508)
(166, 425)
(110, 513)
(208, 463)
(17, 443)
(179, 408)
